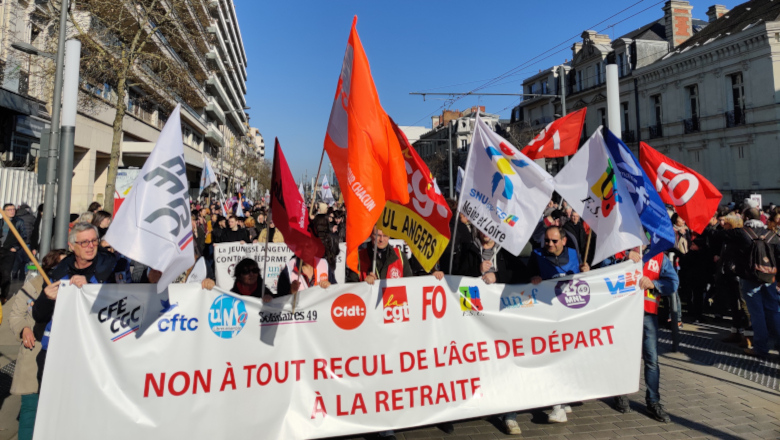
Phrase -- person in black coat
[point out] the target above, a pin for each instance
(234, 233)
(484, 258)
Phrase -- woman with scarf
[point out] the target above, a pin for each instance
(248, 281)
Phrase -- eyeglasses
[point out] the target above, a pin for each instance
(251, 271)
(550, 240)
(88, 243)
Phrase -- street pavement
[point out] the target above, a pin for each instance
(709, 390)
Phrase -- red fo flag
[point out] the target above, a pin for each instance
(694, 198)
(560, 138)
(289, 212)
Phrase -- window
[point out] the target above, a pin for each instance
(463, 144)
(738, 98)
(697, 156)
(624, 120)
(579, 81)
(598, 73)
(589, 74)
(602, 114)
(656, 109)
(693, 101)
(544, 88)
(620, 64)
(741, 151)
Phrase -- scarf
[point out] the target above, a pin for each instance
(246, 289)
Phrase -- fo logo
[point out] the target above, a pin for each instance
(395, 305)
(227, 316)
(574, 294)
(348, 311)
(123, 317)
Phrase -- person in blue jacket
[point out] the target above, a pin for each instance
(554, 259)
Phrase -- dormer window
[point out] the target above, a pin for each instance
(598, 73)
(621, 64)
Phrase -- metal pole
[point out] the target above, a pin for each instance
(70, 94)
(314, 195)
(638, 129)
(449, 142)
(613, 100)
(562, 76)
(51, 171)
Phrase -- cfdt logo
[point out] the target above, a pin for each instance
(395, 306)
(177, 322)
(574, 294)
(227, 316)
(348, 311)
(470, 300)
(625, 283)
(123, 317)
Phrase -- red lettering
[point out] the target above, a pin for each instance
(568, 338)
(348, 370)
(482, 351)
(397, 399)
(411, 361)
(580, 340)
(441, 392)
(260, 370)
(421, 359)
(339, 412)
(276, 371)
(206, 385)
(425, 394)
(365, 370)
(427, 301)
(469, 356)
(462, 384)
(249, 369)
(475, 388)
(186, 386)
(358, 404)
(436, 358)
(335, 365)
(384, 368)
(554, 340)
(517, 348)
(320, 366)
(596, 337)
(498, 349)
(534, 349)
(411, 395)
(608, 329)
(298, 368)
(159, 388)
(381, 399)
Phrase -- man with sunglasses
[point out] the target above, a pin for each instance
(87, 264)
(555, 260)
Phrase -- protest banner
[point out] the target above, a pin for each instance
(353, 358)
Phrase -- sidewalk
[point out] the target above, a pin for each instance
(709, 389)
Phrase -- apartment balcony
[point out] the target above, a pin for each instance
(656, 131)
(215, 111)
(735, 117)
(691, 125)
(628, 136)
(214, 136)
(218, 91)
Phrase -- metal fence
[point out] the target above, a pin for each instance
(19, 186)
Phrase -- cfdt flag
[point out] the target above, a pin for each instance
(325, 193)
(694, 198)
(289, 212)
(504, 192)
(595, 189)
(648, 204)
(423, 222)
(153, 226)
(363, 148)
(559, 138)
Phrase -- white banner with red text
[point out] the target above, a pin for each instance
(351, 359)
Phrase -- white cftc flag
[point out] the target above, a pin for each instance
(594, 188)
(325, 192)
(504, 192)
(153, 225)
(207, 177)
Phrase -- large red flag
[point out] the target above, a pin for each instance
(694, 198)
(424, 222)
(289, 212)
(560, 138)
(363, 148)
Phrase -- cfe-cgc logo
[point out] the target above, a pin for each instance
(348, 311)
(227, 316)
(625, 284)
(519, 301)
(395, 305)
(470, 301)
(574, 294)
(123, 317)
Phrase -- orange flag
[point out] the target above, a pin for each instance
(363, 148)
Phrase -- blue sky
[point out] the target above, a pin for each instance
(295, 50)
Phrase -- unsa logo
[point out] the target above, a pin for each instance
(227, 316)
(348, 311)
(395, 305)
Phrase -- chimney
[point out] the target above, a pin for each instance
(678, 20)
(716, 11)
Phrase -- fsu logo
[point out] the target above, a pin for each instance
(395, 305)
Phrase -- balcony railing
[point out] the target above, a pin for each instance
(656, 131)
(628, 136)
(691, 125)
(735, 117)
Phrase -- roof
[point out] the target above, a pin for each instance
(651, 31)
(736, 20)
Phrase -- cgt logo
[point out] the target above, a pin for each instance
(227, 316)
(395, 304)
(123, 317)
(470, 301)
(348, 311)
(624, 284)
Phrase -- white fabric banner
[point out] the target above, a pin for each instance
(207, 176)
(594, 188)
(351, 359)
(504, 192)
(325, 193)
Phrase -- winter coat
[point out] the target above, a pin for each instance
(509, 269)
(25, 374)
(277, 237)
(26, 215)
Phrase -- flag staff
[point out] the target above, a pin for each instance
(313, 192)
(460, 199)
(26, 249)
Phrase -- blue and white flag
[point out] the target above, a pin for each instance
(207, 177)
(648, 204)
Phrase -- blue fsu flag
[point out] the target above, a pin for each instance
(648, 204)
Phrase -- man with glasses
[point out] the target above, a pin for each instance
(555, 260)
(87, 264)
(390, 262)
(9, 247)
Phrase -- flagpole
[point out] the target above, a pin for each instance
(300, 274)
(265, 252)
(587, 246)
(314, 190)
(460, 198)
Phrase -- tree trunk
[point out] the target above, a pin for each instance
(116, 146)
